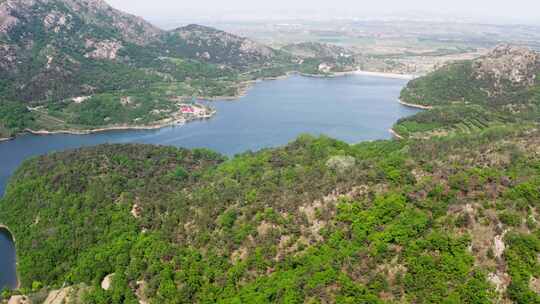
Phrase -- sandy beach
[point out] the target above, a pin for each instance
(395, 134)
(99, 130)
(417, 106)
(386, 75)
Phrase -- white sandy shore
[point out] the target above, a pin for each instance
(386, 75)
(99, 130)
(6, 139)
(413, 105)
(395, 134)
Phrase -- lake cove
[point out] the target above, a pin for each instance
(352, 108)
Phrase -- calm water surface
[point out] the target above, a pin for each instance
(352, 108)
(8, 276)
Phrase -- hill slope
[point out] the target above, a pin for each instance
(317, 220)
(321, 58)
(62, 48)
(211, 45)
(497, 89)
(505, 76)
(54, 54)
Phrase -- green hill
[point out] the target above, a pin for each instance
(52, 51)
(315, 221)
(500, 88)
(507, 75)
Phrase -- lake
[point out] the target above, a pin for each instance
(8, 275)
(352, 108)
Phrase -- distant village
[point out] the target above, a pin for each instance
(194, 111)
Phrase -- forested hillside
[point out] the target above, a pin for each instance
(55, 54)
(500, 88)
(423, 221)
(507, 75)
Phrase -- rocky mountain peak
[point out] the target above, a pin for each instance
(216, 46)
(58, 15)
(518, 65)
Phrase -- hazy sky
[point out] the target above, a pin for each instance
(483, 10)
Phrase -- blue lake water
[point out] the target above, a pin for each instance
(8, 275)
(352, 108)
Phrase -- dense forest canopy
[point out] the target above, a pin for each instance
(316, 220)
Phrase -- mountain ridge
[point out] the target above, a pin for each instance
(54, 53)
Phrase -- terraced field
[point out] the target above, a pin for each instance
(459, 119)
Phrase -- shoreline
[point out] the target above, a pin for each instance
(386, 75)
(395, 134)
(329, 75)
(244, 88)
(416, 106)
(99, 130)
(165, 123)
(112, 128)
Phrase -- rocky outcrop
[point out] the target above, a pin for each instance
(215, 46)
(103, 49)
(341, 163)
(19, 300)
(107, 282)
(59, 296)
(8, 56)
(506, 63)
(7, 21)
(71, 294)
(95, 12)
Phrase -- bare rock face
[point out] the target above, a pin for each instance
(7, 21)
(341, 163)
(103, 49)
(71, 294)
(249, 46)
(59, 296)
(139, 292)
(132, 28)
(107, 282)
(19, 300)
(8, 56)
(212, 45)
(507, 63)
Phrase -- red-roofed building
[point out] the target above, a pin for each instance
(187, 109)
